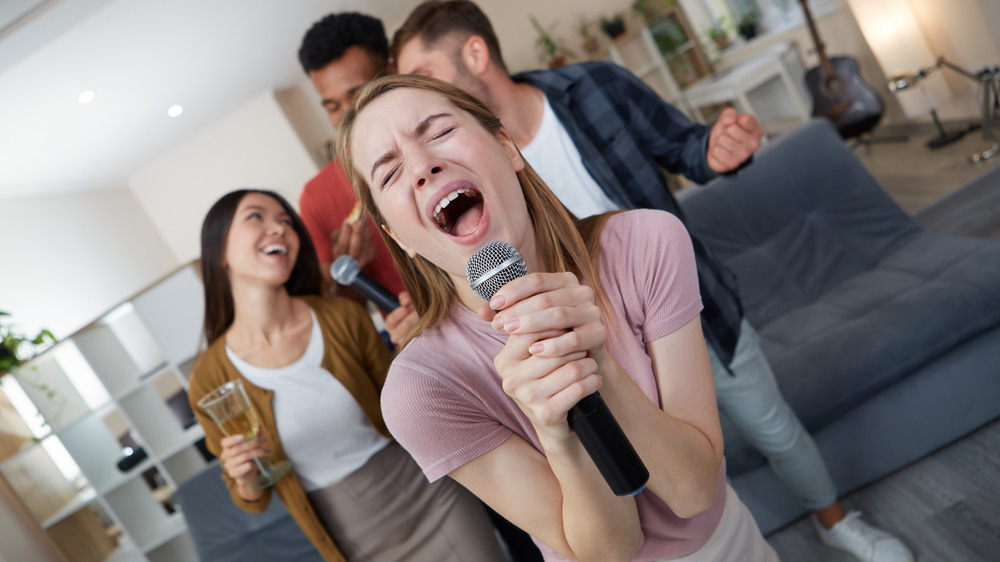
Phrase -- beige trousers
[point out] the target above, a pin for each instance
(386, 511)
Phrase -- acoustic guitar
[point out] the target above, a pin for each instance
(838, 91)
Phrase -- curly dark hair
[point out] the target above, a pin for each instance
(328, 38)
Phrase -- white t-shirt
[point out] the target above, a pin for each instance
(557, 161)
(323, 431)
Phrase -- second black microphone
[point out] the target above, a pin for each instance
(346, 271)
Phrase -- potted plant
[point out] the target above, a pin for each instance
(718, 34)
(669, 36)
(652, 11)
(550, 50)
(16, 348)
(748, 24)
(614, 26)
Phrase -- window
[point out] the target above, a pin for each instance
(734, 9)
(775, 15)
(783, 14)
(718, 9)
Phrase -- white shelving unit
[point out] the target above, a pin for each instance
(113, 378)
(638, 53)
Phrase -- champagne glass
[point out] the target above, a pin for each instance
(230, 409)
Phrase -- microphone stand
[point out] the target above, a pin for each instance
(989, 79)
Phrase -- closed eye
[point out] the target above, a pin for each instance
(392, 172)
(443, 133)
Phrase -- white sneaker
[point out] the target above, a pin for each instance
(862, 540)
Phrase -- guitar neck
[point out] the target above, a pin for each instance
(824, 61)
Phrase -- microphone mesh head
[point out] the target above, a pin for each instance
(345, 269)
(493, 266)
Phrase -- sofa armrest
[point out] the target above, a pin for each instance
(803, 217)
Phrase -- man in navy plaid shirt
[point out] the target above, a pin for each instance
(601, 139)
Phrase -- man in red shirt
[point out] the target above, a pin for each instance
(341, 53)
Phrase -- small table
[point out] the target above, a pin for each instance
(768, 86)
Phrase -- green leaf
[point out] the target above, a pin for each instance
(42, 336)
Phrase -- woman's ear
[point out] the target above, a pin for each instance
(409, 251)
(511, 150)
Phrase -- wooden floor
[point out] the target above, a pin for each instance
(946, 507)
(917, 177)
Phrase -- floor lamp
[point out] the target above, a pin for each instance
(989, 81)
(891, 30)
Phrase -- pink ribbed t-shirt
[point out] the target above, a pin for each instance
(443, 399)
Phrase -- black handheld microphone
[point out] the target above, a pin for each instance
(498, 263)
(346, 271)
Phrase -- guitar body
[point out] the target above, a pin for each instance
(844, 98)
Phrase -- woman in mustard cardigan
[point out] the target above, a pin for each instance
(313, 369)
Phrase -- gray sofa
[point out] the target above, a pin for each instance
(884, 336)
(223, 532)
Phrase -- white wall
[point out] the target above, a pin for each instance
(991, 15)
(70, 257)
(303, 109)
(252, 146)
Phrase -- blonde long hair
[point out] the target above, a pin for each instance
(564, 243)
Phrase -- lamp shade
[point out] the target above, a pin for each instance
(894, 35)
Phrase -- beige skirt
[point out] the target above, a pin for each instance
(735, 539)
(387, 511)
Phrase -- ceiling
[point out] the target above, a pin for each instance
(139, 57)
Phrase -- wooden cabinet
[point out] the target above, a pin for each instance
(120, 381)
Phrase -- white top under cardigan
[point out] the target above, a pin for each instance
(324, 432)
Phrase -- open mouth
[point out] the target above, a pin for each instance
(459, 212)
(275, 250)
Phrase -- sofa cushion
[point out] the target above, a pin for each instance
(804, 216)
(880, 324)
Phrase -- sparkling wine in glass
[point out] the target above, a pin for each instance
(230, 409)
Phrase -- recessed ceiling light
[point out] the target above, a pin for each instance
(175, 110)
(87, 96)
